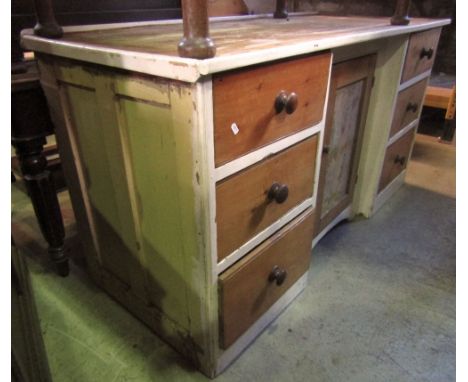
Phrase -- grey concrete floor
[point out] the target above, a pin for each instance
(379, 306)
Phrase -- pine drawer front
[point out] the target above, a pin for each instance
(250, 201)
(245, 116)
(396, 159)
(255, 283)
(408, 106)
(421, 52)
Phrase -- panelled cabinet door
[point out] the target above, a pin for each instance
(350, 88)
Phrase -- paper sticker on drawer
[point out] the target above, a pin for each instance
(234, 128)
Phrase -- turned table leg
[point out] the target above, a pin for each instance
(30, 124)
(401, 15)
(196, 42)
(43, 197)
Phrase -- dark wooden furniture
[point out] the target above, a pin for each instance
(30, 125)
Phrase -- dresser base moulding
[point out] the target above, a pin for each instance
(235, 350)
(388, 191)
(346, 214)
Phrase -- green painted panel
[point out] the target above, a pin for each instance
(89, 136)
(152, 148)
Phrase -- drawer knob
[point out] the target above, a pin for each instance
(412, 107)
(400, 159)
(278, 192)
(291, 103)
(278, 275)
(426, 53)
(285, 101)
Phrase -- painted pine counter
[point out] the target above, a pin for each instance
(198, 184)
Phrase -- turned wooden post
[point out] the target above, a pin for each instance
(30, 124)
(46, 25)
(281, 9)
(196, 42)
(401, 13)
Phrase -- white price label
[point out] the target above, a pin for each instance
(235, 129)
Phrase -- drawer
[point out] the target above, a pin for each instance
(396, 159)
(247, 98)
(408, 105)
(248, 202)
(254, 284)
(421, 52)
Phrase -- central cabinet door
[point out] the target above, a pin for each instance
(350, 89)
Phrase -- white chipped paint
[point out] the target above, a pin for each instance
(264, 152)
(414, 80)
(256, 240)
(402, 132)
(345, 214)
(190, 70)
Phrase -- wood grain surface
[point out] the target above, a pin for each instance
(237, 37)
(247, 98)
(414, 63)
(243, 207)
(399, 149)
(403, 115)
(245, 290)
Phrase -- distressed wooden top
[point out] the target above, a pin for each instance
(152, 47)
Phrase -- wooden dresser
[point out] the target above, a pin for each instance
(195, 182)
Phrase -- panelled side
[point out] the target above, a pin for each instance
(134, 138)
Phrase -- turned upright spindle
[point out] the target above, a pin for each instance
(46, 25)
(196, 42)
(281, 9)
(400, 16)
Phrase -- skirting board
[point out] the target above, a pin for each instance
(347, 213)
(243, 342)
(388, 191)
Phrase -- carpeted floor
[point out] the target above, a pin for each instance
(380, 304)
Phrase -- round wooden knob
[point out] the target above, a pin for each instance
(285, 101)
(400, 159)
(277, 274)
(412, 107)
(426, 53)
(280, 101)
(278, 192)
(291, 103)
